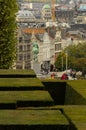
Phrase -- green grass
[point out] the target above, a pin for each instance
(32, 117)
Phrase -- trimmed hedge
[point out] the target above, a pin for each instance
(77, 116)
(25, 98)
(10, 73)
(75, 93)
(33, 119)
(67, 92)
(56, 89)
(20, 84)
(35, 100)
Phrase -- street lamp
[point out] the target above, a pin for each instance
(62, 63)
(66, 61)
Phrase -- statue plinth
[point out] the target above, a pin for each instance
(36, 67)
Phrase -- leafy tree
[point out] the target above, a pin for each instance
(61, 61)
(77, 51)
(76, 57)
(8, 9)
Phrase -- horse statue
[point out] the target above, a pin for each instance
(35, 51)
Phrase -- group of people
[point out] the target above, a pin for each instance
(46, 67)
(65, 76)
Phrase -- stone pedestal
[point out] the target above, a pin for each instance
(36, 67)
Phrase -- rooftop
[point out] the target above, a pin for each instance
(82, 7)
(46, 6)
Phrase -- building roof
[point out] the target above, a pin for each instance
(82, 7)
(46, 6)
(73, 32)
(46, 38)
(36, 30)
(25, 14)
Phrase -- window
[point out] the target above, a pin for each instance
(28, 47)
(19, 67)
(25, 57)
(20, 39)
(24, 47)
(20, 48)
(28, 56)
(20, 57)
(57, 47)
(26, 41)
(28, 66)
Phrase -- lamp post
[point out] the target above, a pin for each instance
(66, 61)
(23, 64)
(62, 63)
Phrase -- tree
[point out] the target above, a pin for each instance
(61, 61)
(76, 57)
(8, 9)
(77, 51)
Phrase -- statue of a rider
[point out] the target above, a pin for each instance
(35, 51)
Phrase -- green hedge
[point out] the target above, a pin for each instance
(40, 98)
(75, 93)
(33, 119)
(77, 116)
(16, 73)
(67, 92)
(25, 98)
(56, 89)
(20, 83)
